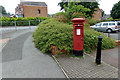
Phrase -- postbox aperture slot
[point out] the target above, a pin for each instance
(78, 26)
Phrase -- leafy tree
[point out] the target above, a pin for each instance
(59, 13)
(2, 10)
(73, 11)
(115, 12)
(90, 5)
(63, 4)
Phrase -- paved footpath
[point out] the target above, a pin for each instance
(86, 67)
(109, 56)
(20, 59)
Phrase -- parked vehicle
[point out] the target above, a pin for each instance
(118, 25)
(15, 16)
(106, 26)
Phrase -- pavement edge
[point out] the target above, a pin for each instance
(60, 67)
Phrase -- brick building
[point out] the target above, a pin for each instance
(97, 14)
(31, 9)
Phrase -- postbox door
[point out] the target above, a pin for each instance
(78, 38)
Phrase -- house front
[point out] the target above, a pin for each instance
(31, 9)
(97, 14)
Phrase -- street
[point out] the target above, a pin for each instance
(13, 28)
(114, 35)
(20, 58)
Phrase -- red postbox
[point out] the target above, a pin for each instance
(78, 36)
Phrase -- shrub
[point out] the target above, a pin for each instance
(52, 32)
(59, 13)
(21, 21)
(92, 22)
(91, 40)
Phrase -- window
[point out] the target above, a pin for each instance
(111, 24)
(38, 11)
(19, 12)
(23, 15)
(118, 23)
(98, 12)
(99, 18)
(105, 24)
(21, 9)
(99, 24)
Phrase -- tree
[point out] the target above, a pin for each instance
(90, 5)
(2, 10)
(115, 12)
(73, 11)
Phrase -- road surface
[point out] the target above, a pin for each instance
(114, 35)
(20, 58)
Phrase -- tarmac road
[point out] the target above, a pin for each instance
(20, 58)
(114, 35)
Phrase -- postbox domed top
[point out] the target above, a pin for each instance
(78, 19)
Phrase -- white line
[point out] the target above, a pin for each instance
(61, 67)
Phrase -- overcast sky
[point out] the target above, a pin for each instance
(53, 7)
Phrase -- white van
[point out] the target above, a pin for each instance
(106, 26)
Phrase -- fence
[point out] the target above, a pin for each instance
(20, 23)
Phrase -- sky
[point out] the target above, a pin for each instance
(105, 5)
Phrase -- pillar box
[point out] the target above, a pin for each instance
(78, 36)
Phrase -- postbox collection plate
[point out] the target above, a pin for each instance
(78, 32)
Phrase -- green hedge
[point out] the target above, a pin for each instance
(52, 32)
(5, 21)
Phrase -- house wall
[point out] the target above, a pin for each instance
(97, 14)
(31, 11)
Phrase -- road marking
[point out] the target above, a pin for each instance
(3, 42)
(60, 67)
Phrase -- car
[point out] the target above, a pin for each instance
(15, 16)
(118, 25)
(106, 26)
